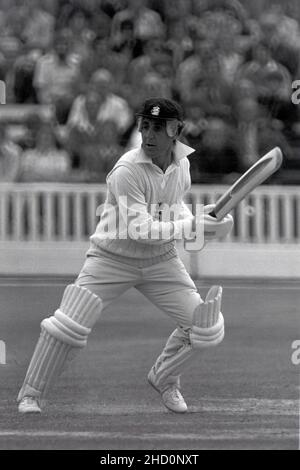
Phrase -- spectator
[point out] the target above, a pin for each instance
(215, 92)
(176, 9)
(179, 40)
(10, 49)
(154, 79)
(56, 77)
(111, 106)
(152, 50)
(232, 8)
(39, 26)
(270, 134)
(12, 18)
(257, 131)
(281, 33)
(215, 24)
(111, 7)
(148, 23)
(216, 153)
(93, 142)
(122, 36)
(102, 56)
(3, 66)
(191, 68)
(155, 84)
(79, 27)
(45, 162)
(29, 131)
(230, 56)
(271, 79)
(80, 15)
(83, 127)
(66, 9)
(195, 121)
(247, 112)
(10, 155)
(99, 159)
(23, 75)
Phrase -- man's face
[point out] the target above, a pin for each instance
(92, 103)
(155, 140)
(62, 47)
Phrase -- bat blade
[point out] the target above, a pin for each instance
(257, 174)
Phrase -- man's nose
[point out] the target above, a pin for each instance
(150, 132)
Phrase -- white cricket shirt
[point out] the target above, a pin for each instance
(130, 223)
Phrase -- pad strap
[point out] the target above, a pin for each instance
(64, 334)
(72, 322)
(206, 337)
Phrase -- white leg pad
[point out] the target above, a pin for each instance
(170, 364)
(81, 305)
(63, 333)
(75, 335)
(208, 328)
(207, 337)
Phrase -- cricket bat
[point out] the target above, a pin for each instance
(257, 174)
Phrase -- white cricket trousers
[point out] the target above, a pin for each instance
(167, 285)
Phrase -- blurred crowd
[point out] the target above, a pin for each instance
(91, 63)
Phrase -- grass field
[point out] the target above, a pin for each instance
(244, 394)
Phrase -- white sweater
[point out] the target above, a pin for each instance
(137, 190)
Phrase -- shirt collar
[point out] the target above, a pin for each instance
(180, 151)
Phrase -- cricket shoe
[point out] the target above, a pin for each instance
(29, 405)
(171, 397)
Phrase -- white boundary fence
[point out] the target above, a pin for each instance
(44, 229)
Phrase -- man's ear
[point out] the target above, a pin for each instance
(180, 128)
(174, 128)
(139, 123)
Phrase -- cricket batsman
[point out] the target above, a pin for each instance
(135, 246)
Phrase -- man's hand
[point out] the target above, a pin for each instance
(214, 229)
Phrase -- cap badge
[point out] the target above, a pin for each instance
(155, 111)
